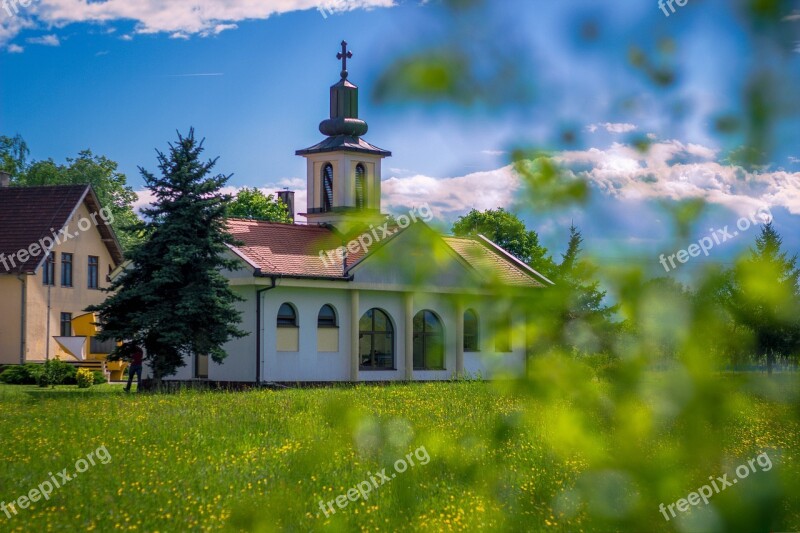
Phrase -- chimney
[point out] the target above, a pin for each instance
(287, 197)
(5, 179)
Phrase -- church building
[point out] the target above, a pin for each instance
(355, 296)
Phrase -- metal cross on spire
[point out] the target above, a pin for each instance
(344, 55)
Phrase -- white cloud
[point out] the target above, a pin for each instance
(494, 152)
(668, 170)
(15, 49)
(178, 18)
(46, 40)
(794, 16)
(611, 127)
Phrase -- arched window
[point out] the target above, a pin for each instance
(376, 341)
(327, 330)
(428, 342)
(326, 317)
(471, 328)
(327, 187)
(287, 316)
(361, 186)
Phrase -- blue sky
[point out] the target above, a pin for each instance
(121, 78)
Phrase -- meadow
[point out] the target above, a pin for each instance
(503, 457)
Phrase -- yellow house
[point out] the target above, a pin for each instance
(57, 248)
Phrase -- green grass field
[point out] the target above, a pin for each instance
(501, 458)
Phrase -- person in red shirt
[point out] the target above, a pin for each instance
(136, 355)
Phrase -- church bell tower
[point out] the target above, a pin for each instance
(344, 171)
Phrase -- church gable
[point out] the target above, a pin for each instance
(416, 256)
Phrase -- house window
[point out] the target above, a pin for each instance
(49, 270)
(327, 330)
(66, 270)
(471, 339)
(94, 269)
(327, 188)
(66, 324)
(361, 186)
(327, 317)
(502, 336)
(376, 341)
(428, 342)
(287, 316)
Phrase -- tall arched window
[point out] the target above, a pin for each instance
(361, 186)
(327, 330)
(287, 336)
(428, 342)
(471, 329)
(376, 341)
(327, 187)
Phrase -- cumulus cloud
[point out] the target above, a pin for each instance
(611, 127)
(177, 18)
(669, 170)
(15, 49)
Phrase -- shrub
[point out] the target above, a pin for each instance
(99, 377)
(17, 375)
(55, 372)
(84, 378)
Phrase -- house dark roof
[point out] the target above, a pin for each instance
(28, 214)
(294, 251)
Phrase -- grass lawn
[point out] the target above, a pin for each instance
(500, 459)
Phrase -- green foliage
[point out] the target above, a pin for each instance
(581, 301)
(17, 375)
(84, 378)
(508, 231)
(14, 154)
(99, 377)
(255, 205)
(55, 372)
(173, 299)
(765, 296)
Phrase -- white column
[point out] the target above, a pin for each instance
(355, 317)
(409, 335)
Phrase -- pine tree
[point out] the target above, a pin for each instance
(765, 296)
(172, 297)
(579, 293)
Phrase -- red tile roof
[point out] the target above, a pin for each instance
(287, 249)
(493, 263)
(28, 214)
(294, 251)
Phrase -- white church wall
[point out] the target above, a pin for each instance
(240, 365)
(306, 364)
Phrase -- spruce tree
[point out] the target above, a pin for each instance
(172, 298)
(765, 296)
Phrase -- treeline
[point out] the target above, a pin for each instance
(733, 318)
